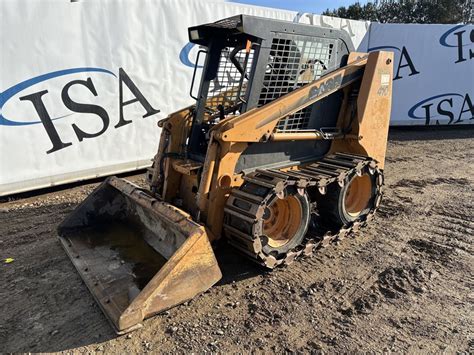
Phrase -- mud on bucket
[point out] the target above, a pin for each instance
(137, 255)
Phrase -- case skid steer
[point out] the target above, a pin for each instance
(282, 153)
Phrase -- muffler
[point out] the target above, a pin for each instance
(137, 255)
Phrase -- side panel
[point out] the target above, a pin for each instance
(324, 113)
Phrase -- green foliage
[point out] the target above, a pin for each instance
(404, 11)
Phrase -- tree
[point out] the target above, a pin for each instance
(407, 11)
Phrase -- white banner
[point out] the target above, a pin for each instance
(83, 84)
(433, 71)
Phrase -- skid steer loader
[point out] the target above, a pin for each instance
(282, 153)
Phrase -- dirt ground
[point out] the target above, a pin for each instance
(404, 283)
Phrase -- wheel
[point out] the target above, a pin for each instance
(266, 219)
(341, 206)
(285, 222)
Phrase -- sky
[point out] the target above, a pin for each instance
(314, 6)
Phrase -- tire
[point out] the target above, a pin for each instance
(341, 206)
(285, 222)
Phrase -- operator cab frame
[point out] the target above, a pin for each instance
(251, 61)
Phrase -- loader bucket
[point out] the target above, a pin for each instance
(137, 255)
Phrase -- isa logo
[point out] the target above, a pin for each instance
(403, 61)
(450, 108)
(48, 98)
(461, 38)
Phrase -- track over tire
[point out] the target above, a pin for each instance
(341, 192)
(342, 205)
(285, 222)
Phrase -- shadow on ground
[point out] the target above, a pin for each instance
(422, 133)
(234, 266)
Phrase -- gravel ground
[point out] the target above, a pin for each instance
(404, 283)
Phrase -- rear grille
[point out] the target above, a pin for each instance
(293, 62)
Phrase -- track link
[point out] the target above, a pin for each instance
(246, 205)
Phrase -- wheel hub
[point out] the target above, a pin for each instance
(282, 220)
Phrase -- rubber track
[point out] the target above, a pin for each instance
(245, 206)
